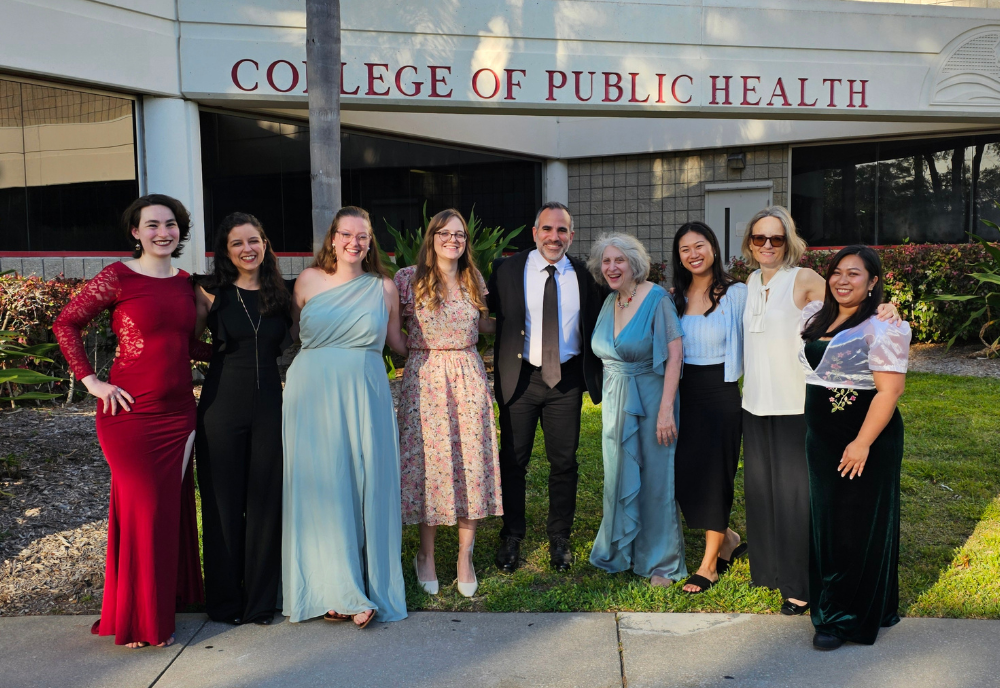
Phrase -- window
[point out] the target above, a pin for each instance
(67, 168)
(262, 167)
(889, 192)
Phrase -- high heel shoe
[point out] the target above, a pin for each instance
(469, 589)
(430, 587)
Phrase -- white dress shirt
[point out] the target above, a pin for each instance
(568, 291)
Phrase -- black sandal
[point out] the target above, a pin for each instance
(700, 581)
(722, 565)
(789, 608)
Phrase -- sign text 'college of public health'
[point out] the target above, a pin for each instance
(438, 82)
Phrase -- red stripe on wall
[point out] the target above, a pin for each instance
(64, 254)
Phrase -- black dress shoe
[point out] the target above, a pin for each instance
(508, 556)
(560, 554)
(789, 608)
(825, 641)
(265, 620)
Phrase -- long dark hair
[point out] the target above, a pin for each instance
(821, 322)
(721, 280)
(273, 297)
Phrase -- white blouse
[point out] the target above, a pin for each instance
(852, 355)
(773, 381)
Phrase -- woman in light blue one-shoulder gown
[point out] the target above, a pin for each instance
(641, 526)
(341, 531)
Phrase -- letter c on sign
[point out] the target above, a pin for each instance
(236, 75)
(270, 76)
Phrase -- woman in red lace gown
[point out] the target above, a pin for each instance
(145, 424)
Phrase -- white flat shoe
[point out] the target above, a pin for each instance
(430, 587)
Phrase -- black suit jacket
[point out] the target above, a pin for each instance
(506, 301)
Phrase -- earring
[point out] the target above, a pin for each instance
(869, 295)
(138, 246)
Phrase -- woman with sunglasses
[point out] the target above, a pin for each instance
(450, 465)
(776, 479)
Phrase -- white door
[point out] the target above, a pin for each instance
(728, 209)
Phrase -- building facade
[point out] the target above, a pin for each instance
(874, 122)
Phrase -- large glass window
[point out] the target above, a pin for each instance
(889, 192)
(67, 168)
(262, 167)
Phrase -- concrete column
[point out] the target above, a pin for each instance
(172, 142)
(556, 185)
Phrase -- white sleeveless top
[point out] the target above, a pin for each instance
(774, 383)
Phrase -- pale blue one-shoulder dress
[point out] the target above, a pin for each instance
(641, 526)
(341, 530)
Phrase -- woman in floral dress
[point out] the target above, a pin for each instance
(447, 432)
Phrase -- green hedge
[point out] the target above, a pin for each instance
(914, 273)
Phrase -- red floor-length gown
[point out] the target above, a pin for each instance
(152, 565)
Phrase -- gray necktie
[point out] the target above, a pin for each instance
(551, 372)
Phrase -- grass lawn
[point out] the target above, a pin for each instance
(949, 558)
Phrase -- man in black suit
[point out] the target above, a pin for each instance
(546, 306)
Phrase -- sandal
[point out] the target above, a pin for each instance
(700, 581)
(335, 616)
(367, 621)
(722, 565)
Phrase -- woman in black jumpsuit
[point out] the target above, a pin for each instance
(245, 305)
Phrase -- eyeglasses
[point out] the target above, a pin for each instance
(760, 240)
(460, 237)
(346, 237)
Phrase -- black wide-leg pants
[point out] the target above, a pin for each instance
(776, 490)
(239, 460)
(558, 408)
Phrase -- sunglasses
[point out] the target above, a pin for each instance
(760, 240)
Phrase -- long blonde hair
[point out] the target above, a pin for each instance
(429, 288)
(326, 259)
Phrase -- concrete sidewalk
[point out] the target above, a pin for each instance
(441, 649)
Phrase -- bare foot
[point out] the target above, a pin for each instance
(168, 642)
(136, 645)
(704, 573)
(361, 619)
(661, 582)
(797, 603)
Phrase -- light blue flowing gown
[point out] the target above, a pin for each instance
(641, 526)
(341, 530)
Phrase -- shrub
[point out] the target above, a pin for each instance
(915, 273)
(29, 306)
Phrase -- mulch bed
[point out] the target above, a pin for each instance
(54, 486)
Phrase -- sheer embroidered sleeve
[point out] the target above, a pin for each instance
(99, 294)
(890, 350)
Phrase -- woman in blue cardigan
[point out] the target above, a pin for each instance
(710, 303)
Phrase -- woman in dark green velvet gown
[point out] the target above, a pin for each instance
(855, 371)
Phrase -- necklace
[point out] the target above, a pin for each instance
(256, 328)
(629, 301)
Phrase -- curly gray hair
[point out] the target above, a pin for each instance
(635, 252)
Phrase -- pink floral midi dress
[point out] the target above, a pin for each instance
(447, 432)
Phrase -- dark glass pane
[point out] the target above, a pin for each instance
(80, 171)
(986, 181)
(834, 193)
(263, 168)
(924, 188)
(13, 220)
(79, 217)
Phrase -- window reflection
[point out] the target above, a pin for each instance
(889, 192)
(262, 167)
(67, 168)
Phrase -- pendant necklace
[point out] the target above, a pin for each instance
(256, 328)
